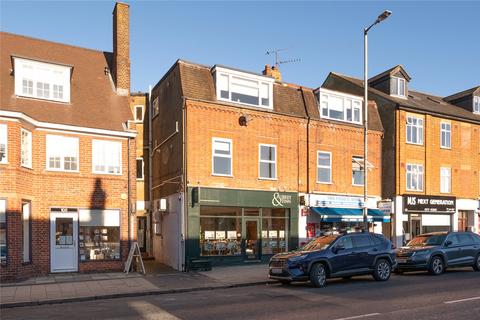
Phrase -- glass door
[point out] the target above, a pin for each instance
(252, 241)
(63, 241)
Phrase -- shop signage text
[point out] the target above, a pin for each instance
(338, 201)
(435, 204)
(279, 200)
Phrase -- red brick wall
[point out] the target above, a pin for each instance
(47, 189)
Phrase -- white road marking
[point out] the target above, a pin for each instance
(462, 300)
(360, 316)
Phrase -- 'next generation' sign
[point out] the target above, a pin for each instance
(428, 204)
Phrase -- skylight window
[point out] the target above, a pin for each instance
(41, 80)
(244, 88)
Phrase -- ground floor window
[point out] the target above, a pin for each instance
(99, 235)
(3, 231)
(26, 231)
(233, 231)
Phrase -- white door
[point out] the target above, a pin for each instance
(63, 241)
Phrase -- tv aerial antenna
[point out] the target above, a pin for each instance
(278, 61)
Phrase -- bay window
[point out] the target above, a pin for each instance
(26, 148)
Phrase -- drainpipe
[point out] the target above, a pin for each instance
(308, 143)
(184, 217)
(129, 195)
(150, 160)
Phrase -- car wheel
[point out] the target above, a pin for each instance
(476, 264)
(382, 271)
(318, 275)
(436, 266)
(285, 282)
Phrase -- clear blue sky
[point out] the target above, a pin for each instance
(437, 42)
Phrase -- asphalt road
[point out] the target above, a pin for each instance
(452, 296)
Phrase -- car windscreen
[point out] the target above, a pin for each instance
(319, 243)
(427, 240)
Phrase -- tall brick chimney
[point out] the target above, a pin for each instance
(272, 72)
(121, 48)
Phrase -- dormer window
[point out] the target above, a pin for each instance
(42, 80)
(397, 87)
(244, 88)
(476, 104)
(339, 106)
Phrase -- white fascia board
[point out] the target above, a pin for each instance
(339, 93)
(47, 125)
(244, 74)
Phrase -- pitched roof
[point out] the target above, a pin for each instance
(198, 83)
(423, 102)
(93, 100)
(391, 71)
(462, 94)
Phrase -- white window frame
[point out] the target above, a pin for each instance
(4, 141)
(329, 167)
(445, 180)
(260, 145)
(62, 154)
(26, 231)
(398, 80)
(476, 104)
(419, 128)
(26, 149)
(41, 73)
(260, 80)
(103, 146)
(418, 173)
(361, 163)
(447, 133)
(143, 169)
(230, 156)
(356, 102)
(135, 113)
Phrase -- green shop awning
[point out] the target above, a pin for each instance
(345, 214)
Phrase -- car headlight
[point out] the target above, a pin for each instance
(297, 258)
(420, 253)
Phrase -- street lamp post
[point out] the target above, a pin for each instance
(380, 18)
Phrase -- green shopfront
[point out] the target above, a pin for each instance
(227, 226)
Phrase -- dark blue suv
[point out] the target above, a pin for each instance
(335, 256)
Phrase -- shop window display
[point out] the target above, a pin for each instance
(220, 231)
(99, 235)
(274, 231)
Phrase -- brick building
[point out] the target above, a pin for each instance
(138, 105)
(431, 153)
(234, 162)
(67, 155)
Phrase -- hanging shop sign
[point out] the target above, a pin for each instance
(428, 204)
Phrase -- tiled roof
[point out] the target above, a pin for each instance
(288, 99)
(462, 94)
(93, 100)
(420, 101)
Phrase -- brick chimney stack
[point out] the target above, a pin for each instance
(121, 48)
(272, 72)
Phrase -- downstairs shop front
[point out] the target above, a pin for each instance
(227, 226)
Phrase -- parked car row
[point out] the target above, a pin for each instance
(353, 254)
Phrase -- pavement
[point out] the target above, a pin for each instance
(159, 279)
(451, 296)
